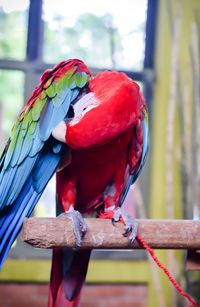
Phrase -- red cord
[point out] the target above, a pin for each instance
(109, 214)
(151, 252)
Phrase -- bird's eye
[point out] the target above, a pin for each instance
(87, 108)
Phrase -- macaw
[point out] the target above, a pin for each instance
(93, 133)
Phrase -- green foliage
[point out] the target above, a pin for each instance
(11, 89)
(13, 32)
(13, 35)
(88, 39)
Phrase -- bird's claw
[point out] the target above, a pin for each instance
(130, 223)
(78, 223)
(128, 229)
(113, 221)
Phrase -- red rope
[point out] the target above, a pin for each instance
(109, 214)
(172, 280)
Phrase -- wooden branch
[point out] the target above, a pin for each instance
(101, 234)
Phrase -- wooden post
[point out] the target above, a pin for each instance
(101, 234)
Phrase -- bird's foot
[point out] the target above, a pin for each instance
(78, 223)
(130, 223)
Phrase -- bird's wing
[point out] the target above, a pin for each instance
(32, 155)
(132, 175)
(46, 108)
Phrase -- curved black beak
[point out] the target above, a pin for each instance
(70, 114)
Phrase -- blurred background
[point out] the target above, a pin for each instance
(157, 44)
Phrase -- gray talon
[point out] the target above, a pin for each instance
(113, 221)
(130, 223)
(78, 223)
(128, 229)
(83, 233)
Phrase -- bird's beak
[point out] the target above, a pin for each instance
(75, 113)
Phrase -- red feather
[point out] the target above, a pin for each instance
(103, 141)
(118, 107)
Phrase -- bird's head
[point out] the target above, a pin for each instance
(111, 105)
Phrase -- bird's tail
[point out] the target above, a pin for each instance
(11, 218)
(68, 274)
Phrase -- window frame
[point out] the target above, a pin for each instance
(33, 66)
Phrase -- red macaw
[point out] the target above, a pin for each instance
(93, 132)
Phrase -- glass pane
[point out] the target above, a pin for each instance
(104, 34)
(46, 206)
(13, 29)
(11, 101)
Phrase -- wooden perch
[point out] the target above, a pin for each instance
(101, 234)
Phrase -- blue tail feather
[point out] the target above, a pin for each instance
(12, 216)
(17, 226)
(12, 224)
(15, 211)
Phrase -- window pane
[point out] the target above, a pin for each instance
(104, 34)
(11, 101)
(13, 29)
(46, 206)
